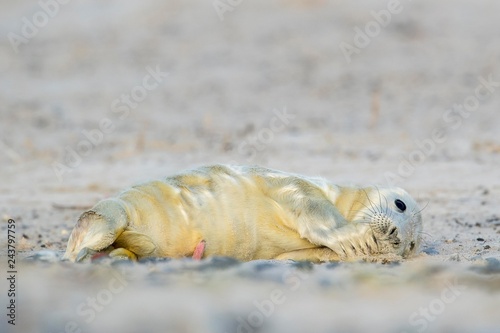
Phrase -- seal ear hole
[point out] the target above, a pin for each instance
(412, 245)
(400, 204)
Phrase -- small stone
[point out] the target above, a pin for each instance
(24, 245)
(261, 266)
(492, 266)
(430, 250)
(45, 255)
(303, 265)
(217, 263)
(494, 218)
(153, 260)
(479, 239)
(332, 265)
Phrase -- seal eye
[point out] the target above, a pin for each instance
(400, 204)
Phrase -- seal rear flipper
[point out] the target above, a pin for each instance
(122, 253)
(96, 229)
(139, 244)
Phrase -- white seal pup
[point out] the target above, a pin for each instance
(249, 213)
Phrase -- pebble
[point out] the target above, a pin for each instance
(218, 263)
(303, 265)
(492, 266)
(153, 260)
(45, 256)
(430, 250)
(332, 265)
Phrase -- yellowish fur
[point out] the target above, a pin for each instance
(244, 212)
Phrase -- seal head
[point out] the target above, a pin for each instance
(395, 220)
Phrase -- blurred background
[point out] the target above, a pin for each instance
(99, 95)
(225, 77)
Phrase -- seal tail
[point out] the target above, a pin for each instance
(96, 229)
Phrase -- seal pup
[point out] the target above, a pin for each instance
(248, 213)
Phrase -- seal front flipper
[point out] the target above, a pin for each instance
(352, 242)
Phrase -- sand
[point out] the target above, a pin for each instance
(269, 84)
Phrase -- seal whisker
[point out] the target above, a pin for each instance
(421, 210)
(357, 210)
(424, 233)
(386, 206)
(361, 203)
(426, 242)
(379, 195)
(362, 221)
(373, 208)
